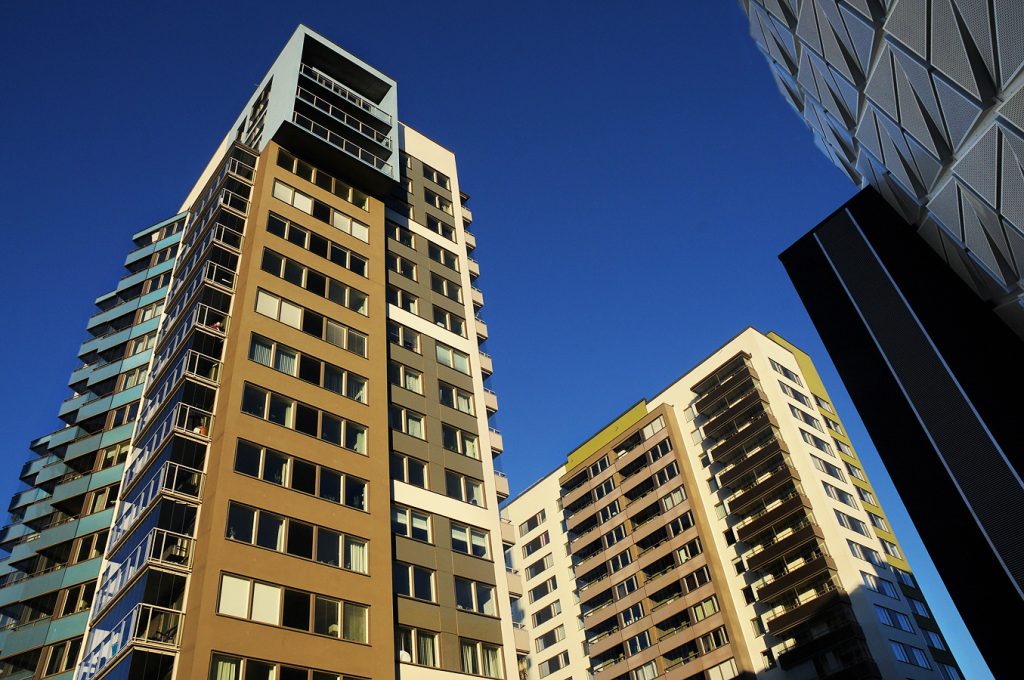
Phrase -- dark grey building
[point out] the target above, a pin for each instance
(936, 376)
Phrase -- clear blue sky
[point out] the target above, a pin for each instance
(633, 174)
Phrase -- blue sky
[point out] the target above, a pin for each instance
(633, 174)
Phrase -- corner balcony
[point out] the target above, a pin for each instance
(497, 442)
(171, 480)
(146, 625)
(158, 548)
(486, 364)
(183, 419)
(501, 485)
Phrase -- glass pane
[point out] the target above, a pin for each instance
(290, 314)
(270, 531)
(225, 668)
(266, 603)
(330, 485)
(280, 411)
(267, 304)
(285, 360)
(485, 599)
(240, 522)
(459, 539)
(417, 473)
(247, 459)
(275, 467)
(234, 596)
(479, 543)
(325, 617)
(303, 477)
(330, 429)
(306, 420)
(333, 379)
(355, 554)
(420, 527)
(400, 580)
(355, 388)
(328, 547)
(296, 610)
(258, 670)
(463, 594)
(254, 401)
(300, 539)
(355, 437)
(355, 622)
(355, 493)
(260, 350)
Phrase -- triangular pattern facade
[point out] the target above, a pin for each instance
(922, 101)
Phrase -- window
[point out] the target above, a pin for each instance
(603, 489)
(833, 425)
(414, 581)
(536, 544)
(891, 549)
(224, 667)
(402, 376)
(934, 639)
(459, 441)
(894, 619)
(867, 496)
(614, 536)
(880, 585)
(625, 587)
(456, 398)
(315, 282)
(403, 299)
(449, 321)
(852, 523)
(537, 568)
(823, 405)
(443, 286)
(549, 638)
(475, 596)
(621, 560)
(321, 211)
(817, 442)
(400, 233)
(409, 470)
(442, 228)
(867, 554)
(828, 468)
(297, 416)
(122, 415)
(324, 181)
(649, 671)
(316, 244)
(403, 336)
(112, 455)
(704, 609)
(401, 266)
(452, 358)
(835, 493)
(406, 420)
(638, 643)
(282, 534)
(443, 256)
(800, 414)
(463, 488)
(532, 523)
(62, 656)
(547, 613)
(689, 551)
(436, 177)
(436, 200)
(850, 467)
(795, 394)
(470, 540)
(480, 658)
(672, 499)
(545, 588)
(949, 672)
(909, 654)
(417, 646)
(323, 482)
(308, 368)
(919, 607)
(785, 372)
(410, 523)
(632, 614)
(76, 599)
(608, 511)
(311, 323)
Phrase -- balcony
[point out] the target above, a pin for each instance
(467, 214)
(766, 484)
(339, 142)
(515, 582)
(486, 364)
(324, 80)
(481, 330)
(470, 236)
(501, 486)
(801, 609)
(497, 443)
(726, 449)
(490, 401)
(474, 268)
(171, 480)
(183, 419)
(719, 385)
(521, 638)
(146, 624)
(477, 296)
(508, 532)
(793, 577)
(366, 132)
(783, 544)
(770, 514)
(159, 547)
(738, 410)
(758, 456)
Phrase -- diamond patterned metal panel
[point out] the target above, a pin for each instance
(924, 100)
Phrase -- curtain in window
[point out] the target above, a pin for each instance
(355, 555)
(491, 661)
(260, 351)
(469, 660)
(225, 668)
(355, 622)
(285, 361)
(425, 649)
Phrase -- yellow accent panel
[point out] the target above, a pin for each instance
(605, 436)
(803, 360)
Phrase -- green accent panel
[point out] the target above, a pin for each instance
(51, 472)
(25, 638)
(87, 483)
(90, 445)
(605, 436)
(27, 496)
(67, 627)
(68, 434)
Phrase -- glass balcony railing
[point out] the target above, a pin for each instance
(337, 88)
(158, 547)
(337, 140)
(183, 419)
(145, 624)
(173, 479)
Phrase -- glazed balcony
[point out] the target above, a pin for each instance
(171, 480)
(146, 625)
(183, 419)
(744, 408)
(159, 548)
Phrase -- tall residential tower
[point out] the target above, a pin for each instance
(309, 491)
(721, 529)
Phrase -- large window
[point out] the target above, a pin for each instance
(536, 544)
(403, 336)
(459, 441)
(452, 358)
(532, 523)
(408, 421)
(225, 667)
(413, 581)
(910, 654)
(316, 244)
(276, 605)
(443, 256)
(409, 470)
(449, 321)
(417, 646)
(303, 418)
(852, 523)
(463, 488)
(300, 475)
(475, 596)
(456, 398)
(321, 211)
(895, 619)
(305, 367)
(411, 523)
(310, 322)
(298, 274)
(545, 588)
(470, 540)
(443, 228)
(300, 539)
(480, 658)
(802, 415)
(403, 299)
(838, 494)
(446, 287)
(880, 585)
(407, 378)
(785, 372)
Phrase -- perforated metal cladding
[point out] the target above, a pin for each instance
(937, 75)
(972, 458)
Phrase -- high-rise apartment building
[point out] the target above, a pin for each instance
(724, 528)
(922, 101)
(309, 489)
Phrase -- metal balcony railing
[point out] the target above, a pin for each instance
(159, 547)
(182, 418)
(173, 479)
(145, 624)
